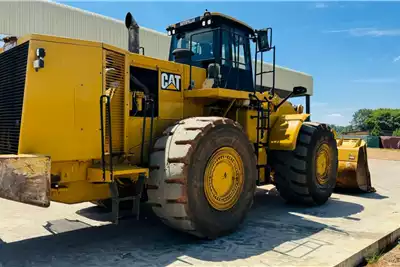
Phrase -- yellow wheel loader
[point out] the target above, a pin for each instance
(193, 136)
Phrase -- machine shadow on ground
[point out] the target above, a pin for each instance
(148, 242)
(355, 192)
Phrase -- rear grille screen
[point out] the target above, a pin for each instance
(12, 85)
(115, 81)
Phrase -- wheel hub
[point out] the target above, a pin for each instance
(323, 163)
(223, 178)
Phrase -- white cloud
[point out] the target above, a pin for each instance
(333, 118)
(372, 32)
(396, 59)
(335, 115)
(321, 5)
(337, 119)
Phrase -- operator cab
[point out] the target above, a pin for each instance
(217, 43)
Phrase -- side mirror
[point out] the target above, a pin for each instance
(264, 39)
(299, 90)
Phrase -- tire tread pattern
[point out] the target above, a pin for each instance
(172, 155)
(291, 167)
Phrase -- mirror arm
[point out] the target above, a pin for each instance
(284, 100)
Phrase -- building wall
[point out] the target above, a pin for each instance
(22, 17)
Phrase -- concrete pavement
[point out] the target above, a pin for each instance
(275, 233)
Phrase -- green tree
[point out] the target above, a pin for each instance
(359, 119)
(376, 121)
(396, 132)
(341, 129)
(382, 119)
(376, 131)
(337, 128)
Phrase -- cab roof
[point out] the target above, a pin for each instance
(214, 16)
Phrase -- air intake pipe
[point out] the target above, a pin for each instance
(133, 33)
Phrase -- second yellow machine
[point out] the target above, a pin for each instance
(192, 136)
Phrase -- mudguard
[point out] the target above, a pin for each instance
(285, 131)
(25, 179)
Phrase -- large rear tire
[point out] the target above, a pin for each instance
(307, 175)
(203, 176)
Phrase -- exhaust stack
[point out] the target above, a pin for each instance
(133, 33)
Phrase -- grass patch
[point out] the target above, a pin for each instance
(374, 258)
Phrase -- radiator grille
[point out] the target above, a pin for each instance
(12, 86)
(115, 86)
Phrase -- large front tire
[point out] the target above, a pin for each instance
(203, 176)
(307, 175)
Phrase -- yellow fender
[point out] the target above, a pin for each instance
(285, 130)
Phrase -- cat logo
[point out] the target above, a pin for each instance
(170, 81)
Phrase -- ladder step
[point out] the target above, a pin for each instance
(260, 144)
(255, 117)
(95, 172)
(262, 128)
(128, 198)
(262, 166)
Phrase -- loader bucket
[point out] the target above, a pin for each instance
(353, 172)
(25, 178)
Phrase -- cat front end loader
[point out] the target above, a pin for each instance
(192, 136)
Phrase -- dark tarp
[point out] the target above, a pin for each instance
(392, 142)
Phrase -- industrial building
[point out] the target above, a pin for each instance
(22, 17)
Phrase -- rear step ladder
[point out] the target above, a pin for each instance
(263, 130)
(109, 170)
(263, 115)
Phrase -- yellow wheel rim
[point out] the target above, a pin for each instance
(323, 163)
(223, 178)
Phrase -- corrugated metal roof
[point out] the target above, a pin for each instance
(21, 18)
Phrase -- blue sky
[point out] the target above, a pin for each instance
(352, 49)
